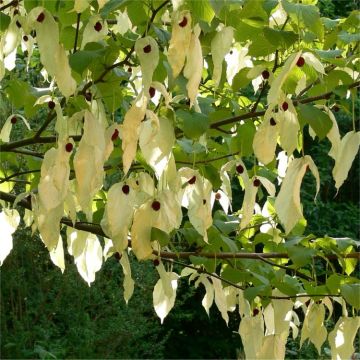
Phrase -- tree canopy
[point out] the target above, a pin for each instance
(178, 132)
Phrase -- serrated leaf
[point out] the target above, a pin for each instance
(194, 124)
(317, 119)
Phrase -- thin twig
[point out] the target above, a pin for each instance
(7, 178)
(12, 3)
(297, 273)
(77, 32)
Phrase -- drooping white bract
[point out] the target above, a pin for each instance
(251, 330)
(344, 157)
(312, 60)
(220, 299)
(341, 338)
(162, 212)
(57, 255)
(164, 293)
(89, 159)
(53, 190)
(54, 180)
(123, 23)
(90, 34)
(275, 91)
(180, 41)
(236, 60)
(273, 347)
(208, 299)
(313, 326)
(333, 135)
(9, 41)
(116, 223)
(265, 139)
(131, 129)
(220, 46)
(162, 89)
(128, 281)
(287, 203)
(9, 221)
(224, 176)
(147, 51)
(52, 53)
(288, 126)
(81, 5)
(87, 252)
(156, 141)
(7, 127)
(197, 199)
(194, 65)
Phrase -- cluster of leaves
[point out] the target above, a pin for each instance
(157, 109)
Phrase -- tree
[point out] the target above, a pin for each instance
(175, 130)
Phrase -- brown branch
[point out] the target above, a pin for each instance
(8, 147)
(28, 152)
(7, 178)
(12, 3)
(97, 230)
(214, 275)
(297, 273)
(250, 115)
(77, 32)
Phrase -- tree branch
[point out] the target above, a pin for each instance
(214, 275)
(97, 230)
(12, 3)
(250, 115)
(8, 147)
(77, 32)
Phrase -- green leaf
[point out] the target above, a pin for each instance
(300, 255)
(4, 21)
(235, 275)
(209, 264)
(307, 14)
(240, 80)
(82, 59)
(111, 6)
(194, 124)
(244, 139)
(161, 236)
(20, 94)
(212, 174)
(317, 119)
(253, 10)
(201, 10)
(351, 294)
(280, 38)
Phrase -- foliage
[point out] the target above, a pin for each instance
(181, 132)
